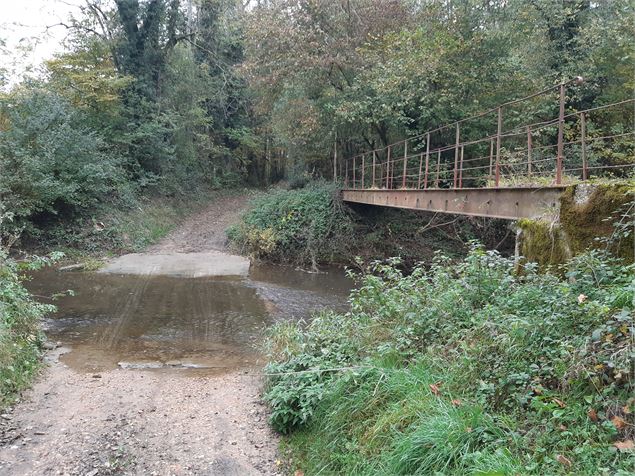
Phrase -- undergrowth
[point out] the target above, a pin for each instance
(20, 336)
(125, 228)
(306, 225)
(472, 367)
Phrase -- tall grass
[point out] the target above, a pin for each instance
(465, 368)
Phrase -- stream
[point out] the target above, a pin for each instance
(196, 326)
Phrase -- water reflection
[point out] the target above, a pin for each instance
(209, 324)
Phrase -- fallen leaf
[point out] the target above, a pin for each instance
(563, 427)
(434, 388)
(582, 298)
(560, 403)
(563, 460)
(618, 422)
(298, 472)
(626, 409)
(592, 414)
(456, 402)
(625, 445)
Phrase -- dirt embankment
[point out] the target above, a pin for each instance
(143, 422)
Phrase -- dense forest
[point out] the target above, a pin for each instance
(163, 97)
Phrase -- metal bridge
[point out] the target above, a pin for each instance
(536, 147)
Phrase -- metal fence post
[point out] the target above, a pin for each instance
(388, 168)
(491, 158)
(461, 168)
(405, 163)
(529, 147)
(363, 169)
(374, 160)
(354, 180)
(583, 133)
(560, 157)
(425, 177)
(436, 182)
(498, 145)
(456, 153)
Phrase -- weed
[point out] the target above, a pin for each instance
(464, 368)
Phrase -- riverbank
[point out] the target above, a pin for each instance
(464, 367)
(140, 421)
(311, 226)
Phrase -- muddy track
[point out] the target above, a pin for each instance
(140, 422)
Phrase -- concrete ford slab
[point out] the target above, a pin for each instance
(187, 265)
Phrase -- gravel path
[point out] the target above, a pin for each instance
(138, 422)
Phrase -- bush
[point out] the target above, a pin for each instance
(20, 335)
(308, 225)
(50, 162)
(465, 368)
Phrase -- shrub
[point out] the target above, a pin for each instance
(464, 368)
(307, 225)
(50, 162)
(20, 335)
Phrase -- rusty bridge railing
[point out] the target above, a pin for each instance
(568, 146)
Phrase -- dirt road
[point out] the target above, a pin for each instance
(142, 422)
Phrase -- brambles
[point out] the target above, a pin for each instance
(20, 336)
(466, 368)
(306, 225)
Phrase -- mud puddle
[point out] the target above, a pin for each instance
(197, 326)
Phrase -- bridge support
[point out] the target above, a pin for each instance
(507, 203)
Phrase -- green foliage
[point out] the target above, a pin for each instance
(374, 72)
(20, 335)
(50, 162)
(465, 368)
(307, 225)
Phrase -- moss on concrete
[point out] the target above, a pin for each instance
(543, 242)
(586, 219)
(583, 223)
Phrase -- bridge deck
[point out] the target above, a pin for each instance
(507, 203)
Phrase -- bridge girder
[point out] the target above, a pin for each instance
(506, 203)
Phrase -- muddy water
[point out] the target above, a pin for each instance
(169, 324)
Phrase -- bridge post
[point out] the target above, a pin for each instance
(405, 163)
(425, 177)
(346, 178)
(354, 181)
(436, 182)
(560, 157)
(374, 159)
(461, 168)
(388, 168)
(583, 140)
(529, 146)
(498, 144)
(491, 158)
(456, 153)
(363, 169)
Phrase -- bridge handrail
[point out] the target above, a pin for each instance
(354, 178)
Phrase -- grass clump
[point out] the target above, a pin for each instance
(306, 225)
(464, 368)
(20, 336)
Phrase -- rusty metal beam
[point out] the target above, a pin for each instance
(507, 203)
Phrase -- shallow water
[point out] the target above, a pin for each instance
(193, 325)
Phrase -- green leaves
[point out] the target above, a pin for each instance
(301, 226)
(472, 368)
